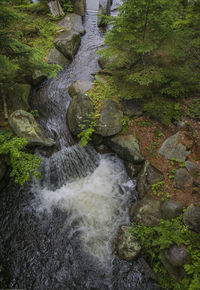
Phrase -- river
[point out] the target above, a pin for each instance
(58, 232)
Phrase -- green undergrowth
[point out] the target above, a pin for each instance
(14, 152)
(169, 232)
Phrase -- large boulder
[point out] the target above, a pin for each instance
(182, 178)
(110, 120)
(56, 57)
(127, 247)
(126, 146)
(68, 42)
(171, 209)
(172, 148)
(72, 22)
(148, 176)
(192, 218)
(146, 211)
(174, 260)
(24, 125)
(79, 86)
(79, 112)
(79, 7)
(132, 108)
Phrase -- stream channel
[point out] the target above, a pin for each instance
(58, 232)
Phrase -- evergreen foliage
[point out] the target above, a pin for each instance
(156, 43)
(21, 51)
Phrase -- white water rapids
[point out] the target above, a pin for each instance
(98, 202)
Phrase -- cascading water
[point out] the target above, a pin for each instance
(58, 232)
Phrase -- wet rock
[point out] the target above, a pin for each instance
(110, 120)
(79, 111)
(146, 212)
(148, 176)
(38, 77)
(174, 259)
(39, 100)
(3, 169)
(19, 96)
(127, 147)
(191, 167)
(182, 178)
(56, 57)
(104, 9)
(79, 86)
(68, 42)
(24, 125)
(172, 148)
(171, 209)
(192, 218)
(132, 169)
(97, 139)
(132, 108)
(72, 22)
(127, 247)
(79, 7)
(135, 275)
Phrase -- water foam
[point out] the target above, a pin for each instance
(98, 203)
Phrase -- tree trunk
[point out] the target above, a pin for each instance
(55, 8)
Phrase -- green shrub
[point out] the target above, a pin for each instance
(169, 232)
(15, 153)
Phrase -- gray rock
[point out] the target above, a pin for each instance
(132, 169)
(72, 22)
(79, 7)
(24, 125)
(148, 176)
(127, 247)
(79, 86)
(79, 111)
(68, 43)
(19, 96)
(182, 178)
(56, 57)
(38, 77)
(171, 209)
(171, 148)
(97, 139)
(110, 120)
(146, 212)
(174, 259)
(3, 169)
(191, 166)
(108, 62)
(99, 78)
(191, 218)
(127, 147)
(132, 108)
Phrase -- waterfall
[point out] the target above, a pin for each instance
(58, 232)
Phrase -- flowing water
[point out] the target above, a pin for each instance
(58, 232)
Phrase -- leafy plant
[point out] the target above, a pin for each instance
(22, 162)
(169, 232)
